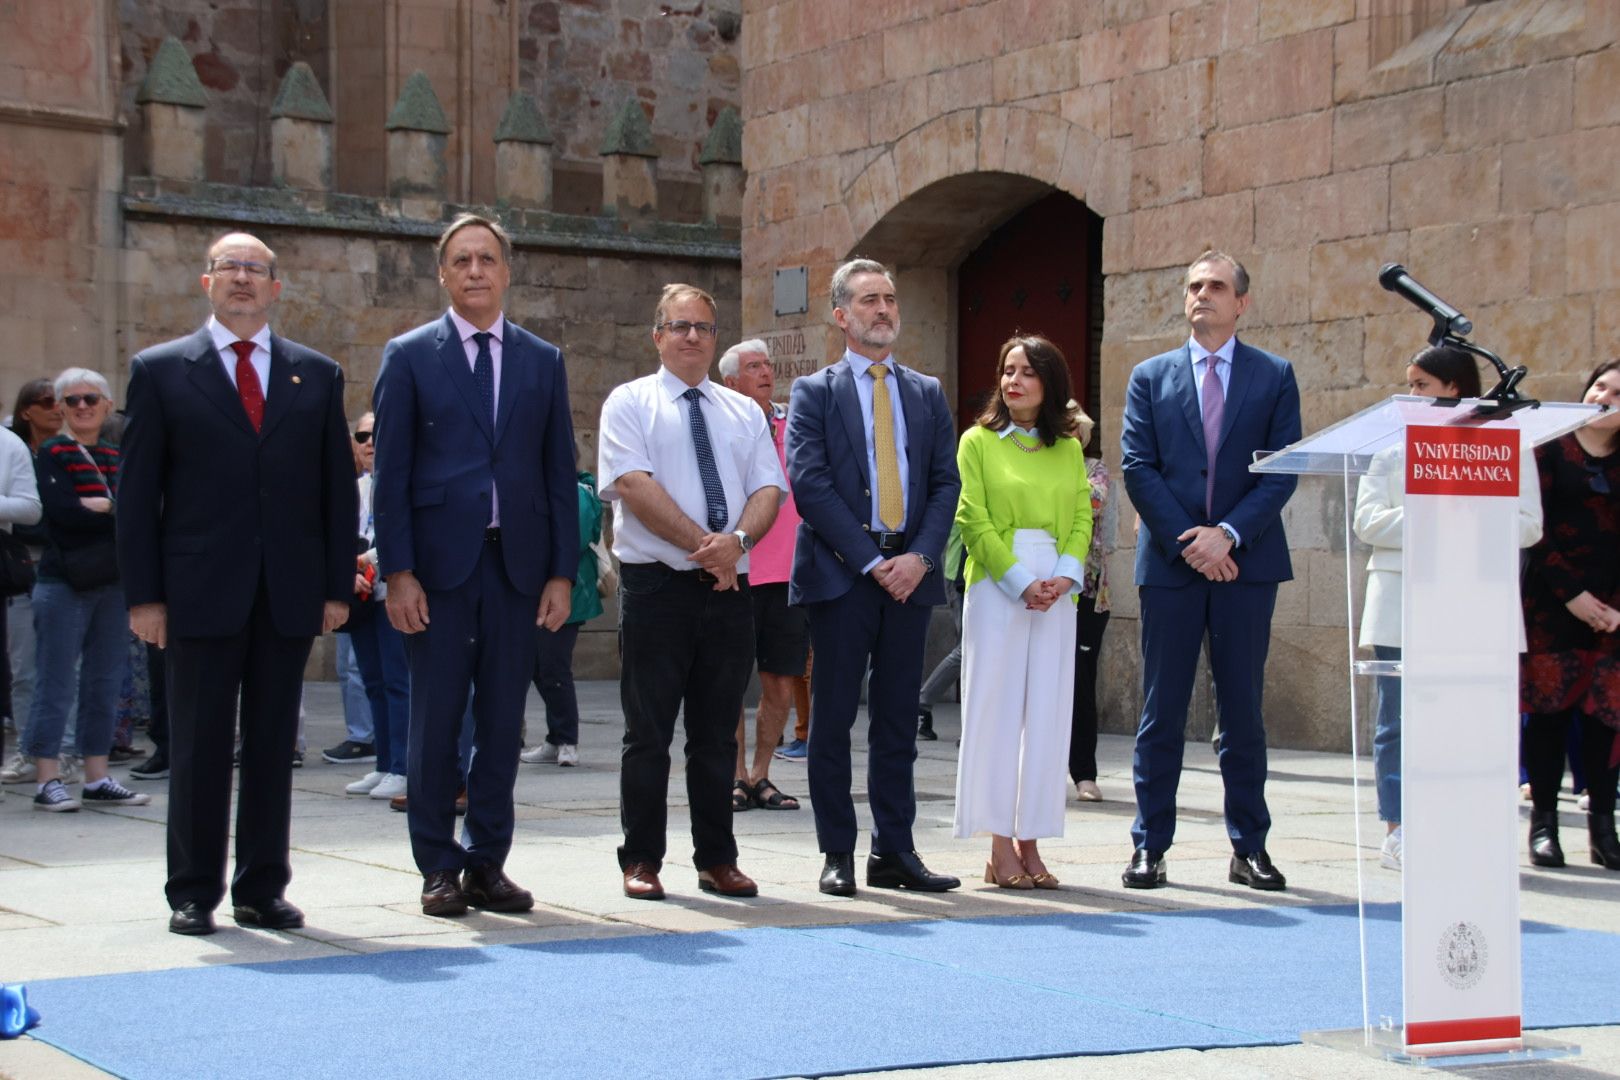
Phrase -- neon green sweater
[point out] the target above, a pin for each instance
(1005, 489)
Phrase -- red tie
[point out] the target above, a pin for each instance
(247, 384)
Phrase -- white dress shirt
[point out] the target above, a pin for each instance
(465, 330)
(260, 359)
(646, 428)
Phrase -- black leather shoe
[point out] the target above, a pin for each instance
(1255, 871)
(1544, 847)
(838, 874)
(488, 887)
(925, 724)
(191, 918)
(905, 870)
(1604, 847)
(272, 914)
(1146, 870)
(442, 895)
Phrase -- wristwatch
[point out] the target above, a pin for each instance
(1230, 535)
(745, 540)
(928, 564)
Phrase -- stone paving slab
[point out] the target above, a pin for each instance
(82, 893)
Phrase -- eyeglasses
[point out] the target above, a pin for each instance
(231, 266)
(1595, 478)
(46, 402)
(680, 328)
(362, 437)
(75, 400)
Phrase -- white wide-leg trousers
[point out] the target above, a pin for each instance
(1017, 704)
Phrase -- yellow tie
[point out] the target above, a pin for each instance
(891, 504)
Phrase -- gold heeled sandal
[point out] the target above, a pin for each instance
(1017, 881)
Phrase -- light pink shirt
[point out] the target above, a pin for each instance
(771, 561)
(466, 330)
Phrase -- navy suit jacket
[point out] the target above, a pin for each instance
(1165, 463)
(827, 469)
(439, 459)
(207, 507)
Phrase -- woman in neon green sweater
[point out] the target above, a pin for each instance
(1025, 520)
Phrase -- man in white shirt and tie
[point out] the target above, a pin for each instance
(694, 480)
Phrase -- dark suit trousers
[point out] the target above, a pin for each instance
(681, 643)
(865, 625)
(480, 638)
(1236, 617)
(1089, 626)
(207, 677)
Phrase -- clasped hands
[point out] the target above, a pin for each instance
(1594, 613)
(900, 575)
(1041, 595)
(1209, 553)
(718, 553)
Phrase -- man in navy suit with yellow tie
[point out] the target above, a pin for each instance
(871, 455)
(1209, 555)
(478, 536)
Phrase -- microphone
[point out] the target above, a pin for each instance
(1448, 321)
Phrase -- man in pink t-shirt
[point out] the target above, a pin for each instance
(781, 633)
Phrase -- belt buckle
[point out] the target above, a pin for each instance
(706, 578)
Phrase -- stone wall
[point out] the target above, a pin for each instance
(1479, 152)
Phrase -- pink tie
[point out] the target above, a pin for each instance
(247, 384)
(1214, 412)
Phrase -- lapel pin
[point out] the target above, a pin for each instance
(296, 380)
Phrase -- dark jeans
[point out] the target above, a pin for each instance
(379, 653)
(682, 644)
(1544, 740)
(554, 679)
(1089, 627)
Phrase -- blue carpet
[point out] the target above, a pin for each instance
(845, 999)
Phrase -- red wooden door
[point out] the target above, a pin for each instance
(1040, 273)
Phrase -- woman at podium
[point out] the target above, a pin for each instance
(1572, 612)
(1442, 371)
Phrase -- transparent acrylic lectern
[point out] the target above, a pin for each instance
(1438, 939)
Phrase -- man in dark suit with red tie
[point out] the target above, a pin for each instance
(236, 540)
(477, 516)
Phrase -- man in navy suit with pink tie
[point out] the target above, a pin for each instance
(478, 536)
(1209, 555)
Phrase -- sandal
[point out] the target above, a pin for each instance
(742, 796)
(777, 800)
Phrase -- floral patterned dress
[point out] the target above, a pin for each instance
(1567, 664)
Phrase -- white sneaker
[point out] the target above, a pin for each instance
(366, 784)
(544, 754)
(391, 785)
(1390, 854)
(1584, 802)
(568, 754)
(72, 768)
(19, 770)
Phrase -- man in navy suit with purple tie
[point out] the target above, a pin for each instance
(477, 521)
(1209, 555)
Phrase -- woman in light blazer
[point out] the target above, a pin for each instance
(1442, 371)
(1025, 522)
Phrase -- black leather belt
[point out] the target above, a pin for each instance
(889, 543)
(492, 535)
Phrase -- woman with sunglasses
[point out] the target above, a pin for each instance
(36, 417)
(80, 620)
(1025, 520)
(1572, 612)
(1440, 372)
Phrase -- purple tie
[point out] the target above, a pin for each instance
(1214, 413)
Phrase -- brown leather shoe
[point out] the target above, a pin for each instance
(442, 896)
(398, 803)
(641, 882)
(727, 880)
(488, 887)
